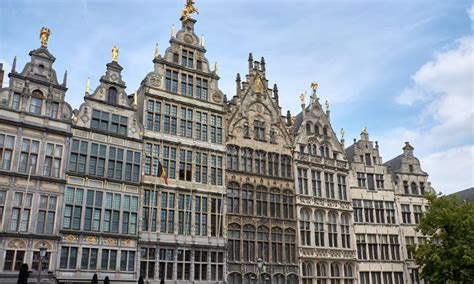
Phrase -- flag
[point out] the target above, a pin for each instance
(162, 173)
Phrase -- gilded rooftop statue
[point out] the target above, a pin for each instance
(188, 10)
(44, 36)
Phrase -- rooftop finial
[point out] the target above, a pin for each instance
(115, 52)
(188, 10)
(88, 85)
(327, 104)
(65, 78)
(14, 65)
(202, 41)
(173, 33)
(342, 132)
(157, 53)
(215, 67)
(302, 97)
(44, 36)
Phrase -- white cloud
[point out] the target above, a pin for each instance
(443, 131)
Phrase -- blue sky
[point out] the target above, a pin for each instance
(404, 69)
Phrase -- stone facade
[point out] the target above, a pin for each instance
(326, 241)
(174, 183)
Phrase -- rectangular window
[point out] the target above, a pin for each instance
(390, 212)
(200, 265)
(127, 260)
(78, 157)
(259, 130)
(36, 105)
(52, 160)
(406, 214)
(410, 247)
(73, 208)
(68, 259)
(169, 161)
(368, 161)
(216, 217)
(166, 263)
(93, 210)
(147, 262)
(370, 182)
(109, 260)
(7, 143)
(89, 258)
(373, 247)
(303, 181)
(53, 112)
(394, 247)
(341, 187)
(13, 260)
(361, 179)
(28, 156)
(369, 211)
(44, 262)
(417, 213)
(46, 214)
(379, 212)
(150, 210)
(21, 208)
(183, 265)
(358, 211)
(379, 180)
(3, 195)
(16, 99)
(361, 246)
(184, 214)
(316, 183)
(171, 81)
(167, 212)
(200, 216)
(329, 182)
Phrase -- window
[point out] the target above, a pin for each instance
(166, 263)
(376, 279)
(73, 209)
(171, 81)
(16, 99)
(112, 212)
(187, 58)
(150, 210)
(114, 123)
(185, 164)
(78, 158)
(364, 278)
(260, 162)
(262, 201)
(417, 213)
(394, 247)
(175, 58)
(263, 243)
(329, 182)
(127, 260)
(200, 265)
(259, 130)
(273, 162)
(287, 205)
(115, 163)
(129, 215)
(46, 214)
(305, 230)
(153, 121)
(290, 245)
(54, 109)
(379, 181)
(167, 213)
(373, 251)
(406, 214)
(316, 183)
(303, 181)
(390, 212)
(398, 277)
(345, 233)
(368, 161)
(307, 273)
(200, 168)
(13, 260)
(20, 218)
(36, 102)
(169, 161)
(410, 246)
(217, 266)
(200, 216)
(319, 228)
(332, 229)
(44, 262)
(275, 205)
(232, 157)
(414, 189)
(233, 198)
(369, 211)
(118, 124)
(89, 258)
(233, 243)
(132, 166)
(370, 182)
(112, 95)
(379, 212)
(216, 170)
(184, 214)
(3, 195)
(109, 259)
(183, 271)
(361, 246)
(201, 88)
(321, 273)
(247, 200)
(277, 245)
(348, 274)
(7, 143)
(186, 122)
(216, 129)
(68, 258)
(405, 187)
(358, 211)
(246, 160)
(249, 243)
(216, 217)
(384, 247)
(361, 179)
(335, 273)
(341, 187)
(187, 85)
(28, 156)
(52, 160)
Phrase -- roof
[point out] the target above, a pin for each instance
(465, 195)
(394, 164)
(298, 122)
(350, 151)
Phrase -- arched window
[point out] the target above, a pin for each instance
(36, 102)
(278, 279)
(112, 95)
(332, 229)
(290, 246)
(335, 273)
(325, 130)
(275, 203)
(232, 157)
(265, 278)
(249, 243)
(233, 242)
(262, 201)
(247, 199)
(287, 205)
(246, 160)
(273, 164)
(314, 149)
(348, 274)
(277, 244)
(345, 234)
(263, 243)
(233, 197)
(246, 131)
(292, 279)
(250, 278)
(319, 228)
(414, 189)
(307, 272)
(308, 128)
(305, 231)
(321, 272)
(234, 278)
(316, 129)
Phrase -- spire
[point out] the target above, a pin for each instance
(88, 86)
(275, 92)
(65, 78)
(262, 63)
(237, 84)
(14, 65)
(288, 118)
(250, 61)
(157, 53)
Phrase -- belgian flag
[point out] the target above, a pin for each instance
(162, 173)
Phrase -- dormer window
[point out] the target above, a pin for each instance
(325, 130)
(246, 131)
(273, 136)
(410, 167)
(112, 95)
(316, 129)
(175, 58)
(259, 130)
(308, 128)
(36, 102)
(187, 58)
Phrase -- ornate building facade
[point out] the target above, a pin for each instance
(326, 242)
(261, 217)
(183, 113)
(174, 183)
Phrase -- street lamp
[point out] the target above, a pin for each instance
(43, 250)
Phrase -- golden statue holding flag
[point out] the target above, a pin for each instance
(188, 10)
